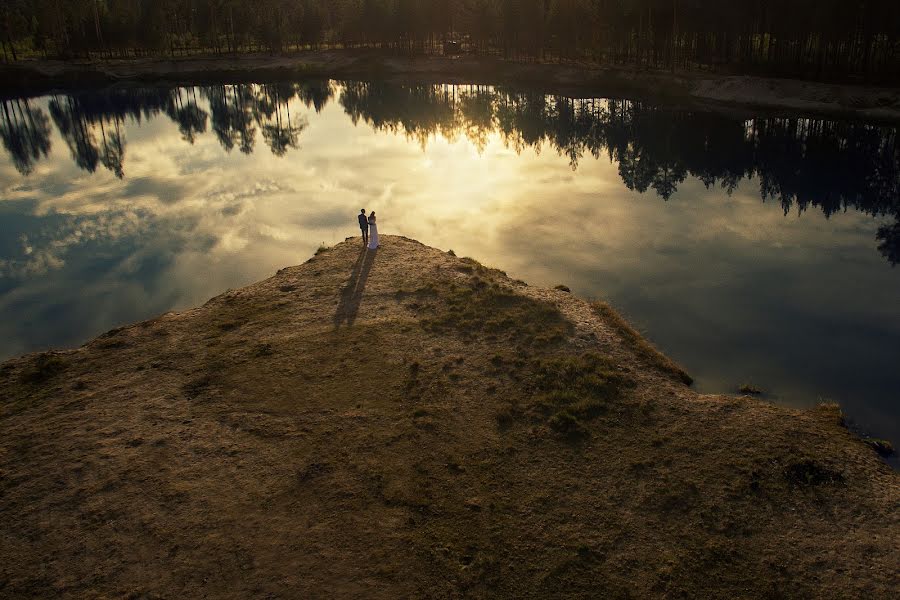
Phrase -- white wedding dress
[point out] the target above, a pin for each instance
(373, 234)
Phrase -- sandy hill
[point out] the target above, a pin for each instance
(406, 423)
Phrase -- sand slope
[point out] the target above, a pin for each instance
(407, 423)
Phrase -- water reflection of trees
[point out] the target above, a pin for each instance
(238, 110)
(90, 123)
(799, 162)
(25, 131)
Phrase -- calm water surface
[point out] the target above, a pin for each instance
(753, 250)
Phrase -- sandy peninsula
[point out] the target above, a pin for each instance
(408, 423)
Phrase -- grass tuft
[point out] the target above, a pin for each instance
(506, 417)
(749, 388)
(197, 386)
(263, 349)
(229, 325)
(46, 366)
(565, 423)
(832, 410)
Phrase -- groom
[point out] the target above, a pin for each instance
(364, 226)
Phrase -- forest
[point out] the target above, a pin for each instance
(846, 165)
(816, 39)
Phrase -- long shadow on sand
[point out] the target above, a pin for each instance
(352, 292)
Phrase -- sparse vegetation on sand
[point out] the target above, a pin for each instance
(639, 344)
(410, 424)
(882, 447)
(570, 390)
(478, 305)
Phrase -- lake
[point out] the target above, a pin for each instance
(754, 251)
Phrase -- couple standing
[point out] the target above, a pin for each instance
(369, 229)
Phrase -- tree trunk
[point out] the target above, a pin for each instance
(674, 32)
(97, 25)
(62, 30)
(233, 43)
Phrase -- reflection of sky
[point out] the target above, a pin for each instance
(802, 306)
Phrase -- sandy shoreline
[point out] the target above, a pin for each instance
(740, 95)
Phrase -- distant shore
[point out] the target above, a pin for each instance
(739, 95)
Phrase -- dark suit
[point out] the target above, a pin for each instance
(364, 226)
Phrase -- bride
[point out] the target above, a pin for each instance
(373, 232)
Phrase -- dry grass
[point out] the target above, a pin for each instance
(466, 436)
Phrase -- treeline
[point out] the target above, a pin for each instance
(821, 39)
(801, 163)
